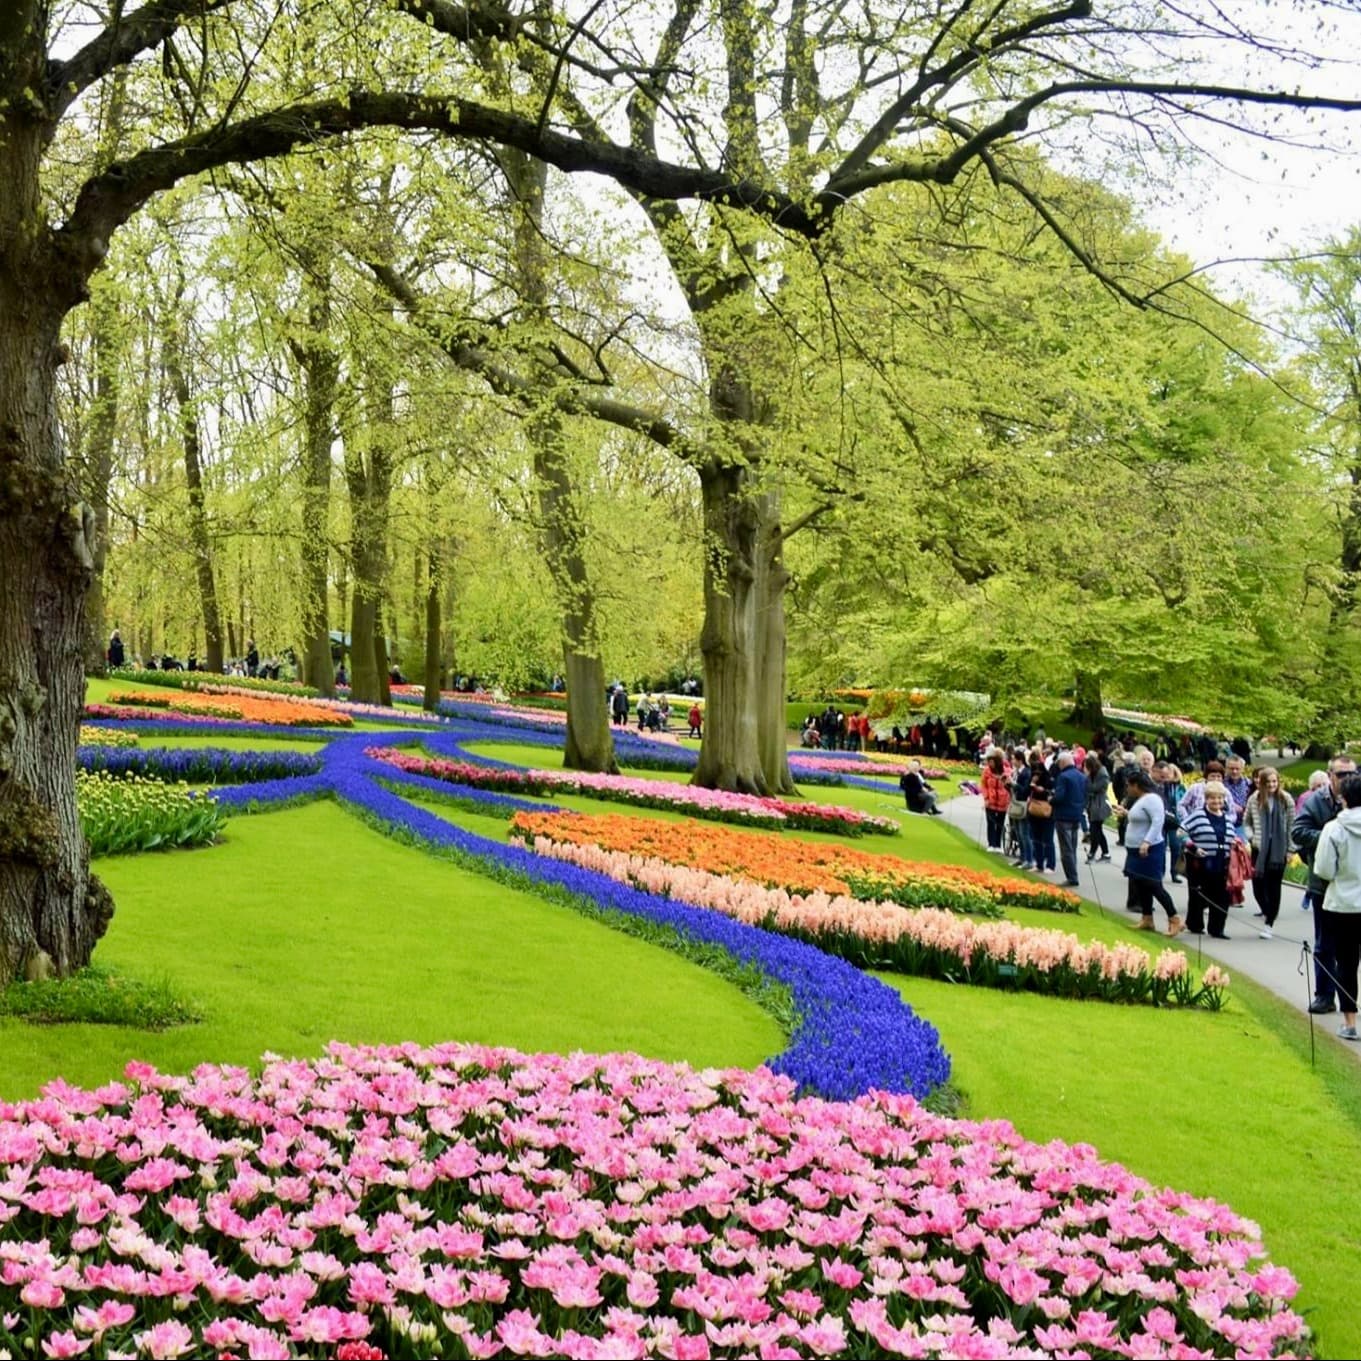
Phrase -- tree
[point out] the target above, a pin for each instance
(1327, 322)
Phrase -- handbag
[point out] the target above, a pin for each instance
(1016, 808)
(1040, 808)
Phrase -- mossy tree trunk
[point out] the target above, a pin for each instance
(52, 909)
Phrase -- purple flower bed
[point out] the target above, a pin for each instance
(853, 1034)
(199, 765)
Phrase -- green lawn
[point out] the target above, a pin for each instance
(307, 926)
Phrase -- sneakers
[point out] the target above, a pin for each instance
(1265, 934)
(1320, 1007)
(1175, 926)
(1145, 924)
(1106, 858)
(1347, 1032)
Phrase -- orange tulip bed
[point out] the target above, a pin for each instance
(797, 866)
(282, 713)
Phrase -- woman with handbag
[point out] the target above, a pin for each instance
(1098, 808)
(1146, 854)
(1040, 814)
(1268, 821)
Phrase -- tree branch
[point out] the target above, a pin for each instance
(571, 400)
(120, 42)
(107, 200)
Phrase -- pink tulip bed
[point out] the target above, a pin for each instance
(463, 1201)
(714, 804)
(928, 942)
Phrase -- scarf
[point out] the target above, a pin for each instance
(1273, 850)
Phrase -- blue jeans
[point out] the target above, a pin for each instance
(1022, 826)
(1042, 840)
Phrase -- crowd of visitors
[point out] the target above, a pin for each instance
(1218, 833)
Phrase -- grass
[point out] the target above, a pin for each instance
(1222, 1105)
(307, 926)
(98, 997)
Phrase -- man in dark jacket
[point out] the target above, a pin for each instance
(1315, 813)
(1070, 804)
(116, 653)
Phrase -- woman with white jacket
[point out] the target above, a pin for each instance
(1337, 859)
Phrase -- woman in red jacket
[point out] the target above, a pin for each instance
(996, 798)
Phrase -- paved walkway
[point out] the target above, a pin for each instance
(1277, 964)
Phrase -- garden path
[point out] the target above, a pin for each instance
(1278, 964)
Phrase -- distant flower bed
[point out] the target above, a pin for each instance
(1161, 722)
(466, 1201)
(713, 804)
(933, 767)
(282, 713)
(132, 813)
(203, 680)
(201, 765)
(799, 866)
(923, 941)
(93, 736)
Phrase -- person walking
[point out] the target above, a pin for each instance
(1146, 854)
(1070, 807)
(1317, 811)
(1040, 813)
(1268, 822)
(996, 799)
(1098, 808)
(1210, 835)
(116, 654)
(1337, 862)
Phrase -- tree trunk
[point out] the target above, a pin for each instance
(368, 477)
(1088, 711)
(771, 580)
(589, 743)
(433, 627)
(199, 539)
(52, 909)
(363, 663)
(321, 366)
(729, 756)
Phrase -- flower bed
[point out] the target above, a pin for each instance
(119, 815)
(201, 765)
(926, 942)
(713, 804)
(798, 866)
(461, 1200)
(92, 736)
(284, 713)
(204, 680)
